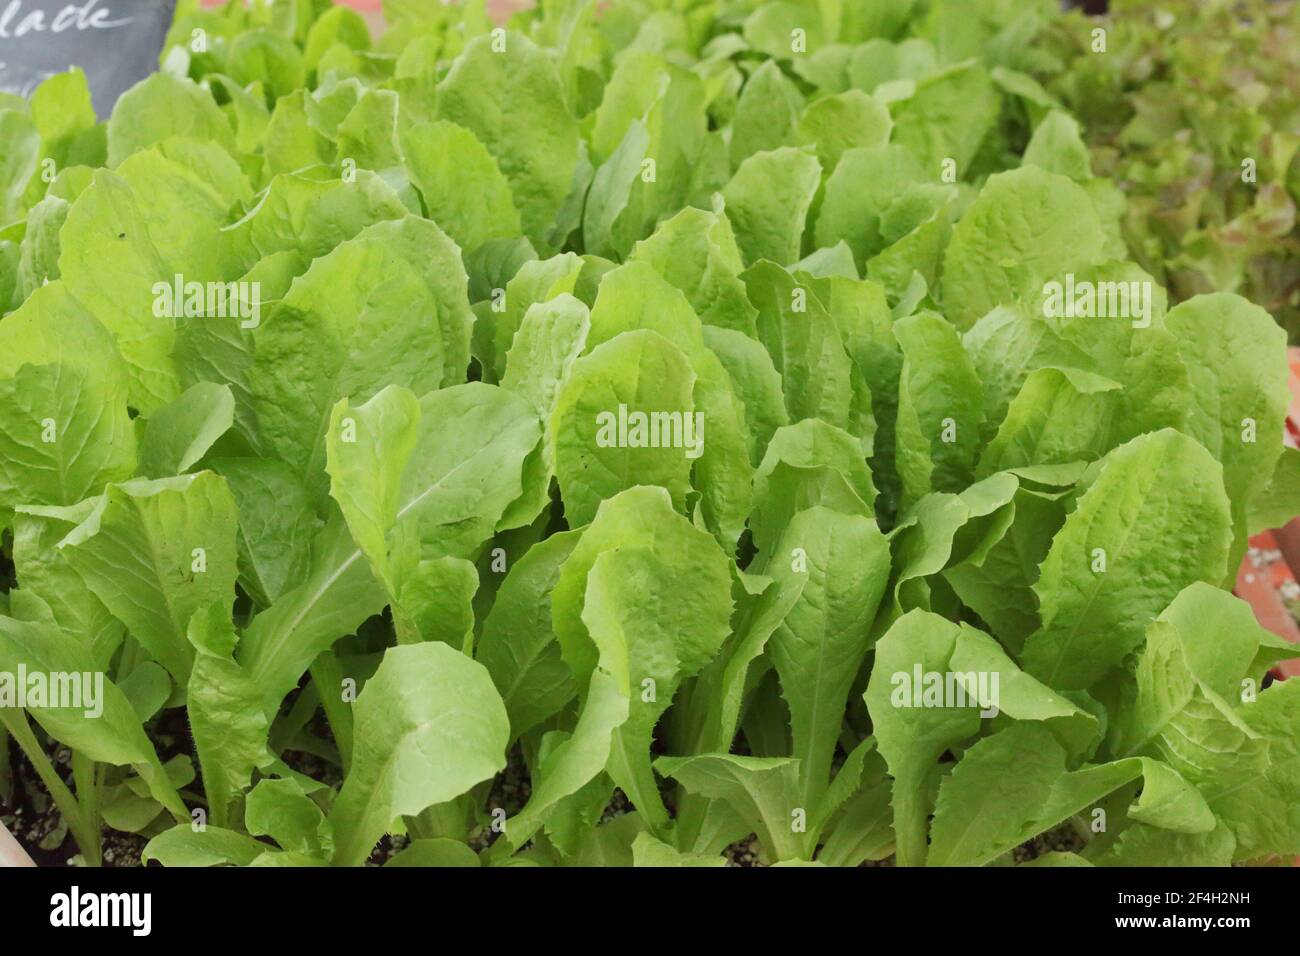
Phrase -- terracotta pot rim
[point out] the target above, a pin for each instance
(11, 851)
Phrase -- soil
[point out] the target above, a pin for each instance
(34, 820)
(29, 813)
(31, 816)
(1062, 839)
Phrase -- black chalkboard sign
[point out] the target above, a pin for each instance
(117, 43)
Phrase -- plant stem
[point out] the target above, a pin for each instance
(130, 656)
(909, 828)
(163, 790)
(327, 675)
(87, 837)
(84, 776)
(638, 782)
(6, 771)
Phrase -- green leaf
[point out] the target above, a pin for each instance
(767, 113)
(39, 261)
(429, 725)
(1170, 802)
(403, 321)
(1144, 846)
(277, 523)
(737, 668)
(858, 192)
(991, 801)
(978, 657)
(290, 138)
(942, 530)
(638, 373)
(1238, 373)
(335, 25)
(864, 831)
(880, 61)
(107, 728)
(309, 213)
(916, 226)
(465, 467)
(940, 412)
(550, 338)
(696, 251)
(913, 738)
(819, 647)
(518, 646)
(1057, 146)
(1196, 708)
(649, 634)
(634, 297)
(771, 27)
(109, 265)
(1261, 812)
(655, 114)
(643, 518)
(535, 282)
(437, 852)
(160, 106)
(65, 118)
(1008, 344)
(513, 102)
(147, 687)
(178, 435)
(808, 464)
(997, 583)
(65, 432)
(265, 57)
(368, 450)
(1279, 501)
(45, 572)
(177, 538)
(805, 345)
(947, 118)
(754, 382)
(225, 712)
(211, 846)
(368, 136)
(1014, 784)
(127, 261)
(279, 809)
(575, 762)
(762, 791)
(768, 201)
(438, 597)
(464, 191)
(848, 120)
(1060, 416)
(1025, 227)
(1157, 503)
(647, 851)
(335, 595)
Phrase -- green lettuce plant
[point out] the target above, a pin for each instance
(740, 421)
(1195, 109)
